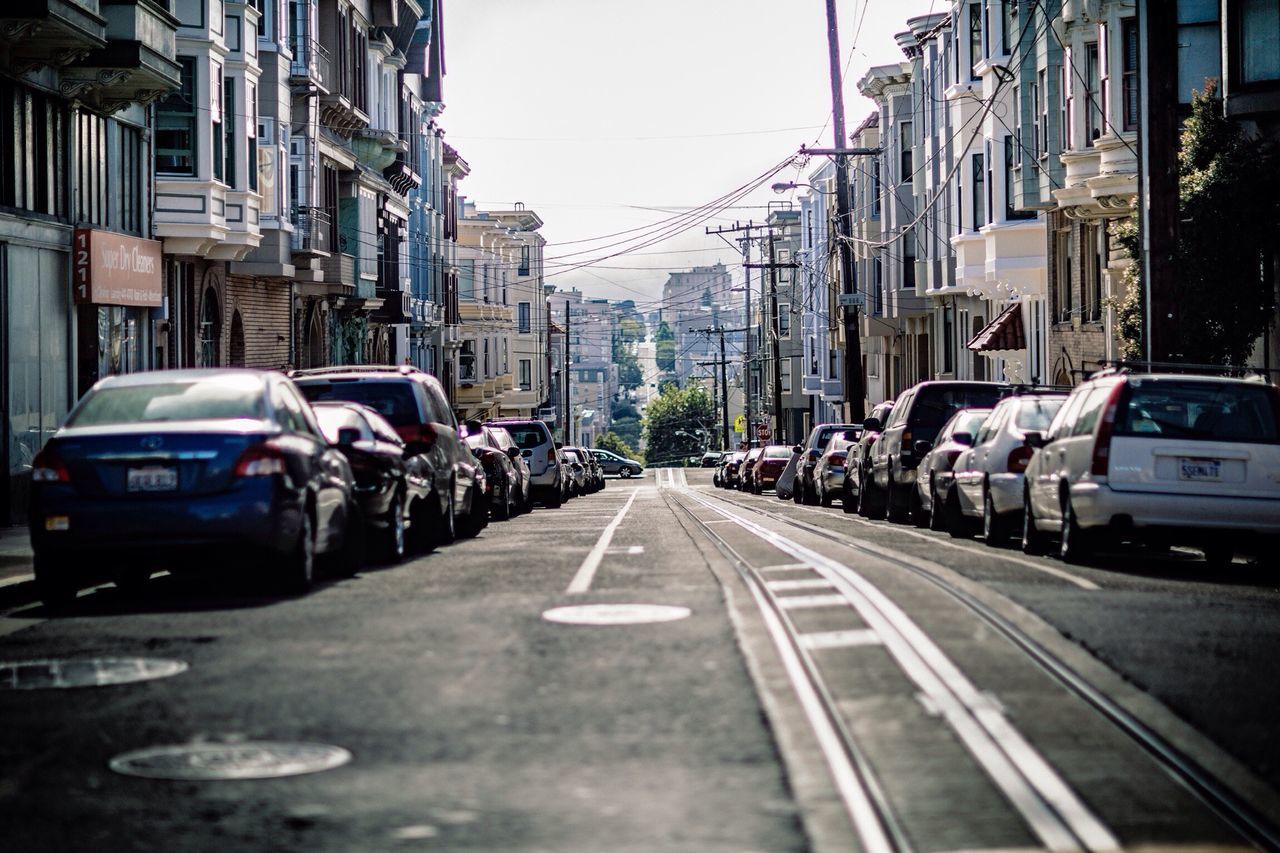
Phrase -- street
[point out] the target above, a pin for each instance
(664, 665)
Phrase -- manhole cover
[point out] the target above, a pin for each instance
(615, 614)
(204, 761)
(84, 672)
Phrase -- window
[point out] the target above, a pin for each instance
(948, 338)
(1062, 279)
(1104, 79)
(979, 193)
(524, 260)
(1094, 237)
(1011, 209)
(904, 154)
(991, 184)
(229, 129)
(1017, 127)
(1258, 40)
(1068, 98)
(216, 83)
(975, 39)
(1043, 117)
(523, 324)
(466, 279)
(875, 188)
(1129, 76)
(1093, 108)
(176, 125)
(1009, 24)
(785, 369)
(526, 374)
(1036, 142)
(909, 260)
(877, 286)
(784, 320)
(251, 140)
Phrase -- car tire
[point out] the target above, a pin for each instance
(504, 511)
(297, 570)
(477, 515)
(894, 511)
(1075, 544)
(1034, 540)
(131, 580)
(919, 517)
(56, 582)
(625, 473)
(937, 516)
(554, 498)
(995, 529)
(393, 538)
(958, 524)
(811, 497)
(447, 529)
(1219, 555)
(349, 559)
(825, 498)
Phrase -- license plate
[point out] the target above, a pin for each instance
(1200, 469)
(154, 479)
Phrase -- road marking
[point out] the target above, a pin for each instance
(1048, 805)
(629, 550)
(806, 583)
(798, 602)
(783, 567)
(839, 639)
(587, 571)
(16, 580)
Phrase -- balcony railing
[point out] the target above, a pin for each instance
(310, 61)
(310, 231)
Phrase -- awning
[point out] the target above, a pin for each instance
(1005, 332)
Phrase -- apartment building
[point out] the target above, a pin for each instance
(694, 301)
(488, 257)
(591, 375)
(819, 319)
(779, 347)
(527, 295)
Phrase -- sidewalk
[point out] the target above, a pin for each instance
(15, 560)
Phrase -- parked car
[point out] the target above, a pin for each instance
(731, 476)
(768, 467)
(722, 458)
(805, 490)
(577, 471)
(1169, 459)
(746, 469)
(414, 402)
(592, 475)
(785, 487)
(533, 437)
(709, 459)
(917, 416)
(502, 440)
(183, 468)
(988, 476)
(934, 473)
(387, 479)
(858, 462)
(828, 474)
(612, 463)
(502, 482)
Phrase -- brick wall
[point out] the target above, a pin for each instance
(264, 316)
(1075, 346)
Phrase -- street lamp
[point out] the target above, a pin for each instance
(784, 186)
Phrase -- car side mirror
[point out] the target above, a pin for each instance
(871, 424)
(472, 427)
(799, 448)
(922, 447)
(513, 453)
(1035, 439)
(965, 438)
(348, 436)
(416, 448)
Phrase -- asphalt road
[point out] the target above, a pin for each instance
(473, 721)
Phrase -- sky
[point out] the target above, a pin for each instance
(611, 117)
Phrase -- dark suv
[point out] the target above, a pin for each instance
(917, 416)
(415, 404)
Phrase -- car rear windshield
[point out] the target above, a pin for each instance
(824, 437)
(201, 399)
(393, 400)
(934, 405)
(777, 452)
(1036, 414)
(526, 437)
(1200, 411)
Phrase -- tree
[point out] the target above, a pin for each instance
(666, 347)
(677, 424)
(1229, 211)
(613, 442)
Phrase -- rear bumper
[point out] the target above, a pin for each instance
(548, 479)
(1097, 505)
(259, 513)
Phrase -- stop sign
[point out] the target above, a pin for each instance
(762, 431)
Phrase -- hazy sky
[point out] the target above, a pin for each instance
(606, 116)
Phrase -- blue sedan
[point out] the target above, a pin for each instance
(188, 468)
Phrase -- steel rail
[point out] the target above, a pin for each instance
(1249, 822)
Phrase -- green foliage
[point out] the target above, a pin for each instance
(1128, 306)
(627, 429)
(666, 347)
(677, 424)
(1229, 196)
(613, 442)
(630, 330)
(665, 385)
(629, 373)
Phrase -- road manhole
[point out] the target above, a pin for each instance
(615, 614)
(84, 672)
(216, 761)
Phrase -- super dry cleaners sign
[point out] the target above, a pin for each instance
(116, 269)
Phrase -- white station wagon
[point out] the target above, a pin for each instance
(1158, 458)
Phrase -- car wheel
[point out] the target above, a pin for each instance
(825, 498)
(1033, 539)
(447, 530)
(811, 497)
(477, 515)
(504, 511)
(918, 516)
(1075, 544)
(297, 572)
(393, 543)
(131, 580)
(625, 473)
(349, 559)
(1219, 555)
(937, 518)
(848, 503)
(994, 528)
(958, 525)
(56, 581)
(894, 510)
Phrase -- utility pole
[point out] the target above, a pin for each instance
(853, 390)
(745, 242)
(775, 346)
(724, 385)
(568, 400)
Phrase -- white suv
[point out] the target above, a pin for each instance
(1161, 458)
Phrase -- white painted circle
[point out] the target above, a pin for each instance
(615, 614)
(217, 761)
(83, 672)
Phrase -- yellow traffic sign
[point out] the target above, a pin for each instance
(740, 423)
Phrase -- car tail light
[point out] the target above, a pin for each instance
(906, 447)
(418, 434)
(260, 460)
(551, 454)
(1102, 445)
(814, 455)
(48, 467)
(836, 459)
(1019, 457)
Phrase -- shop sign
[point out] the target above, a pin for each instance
(116, 269)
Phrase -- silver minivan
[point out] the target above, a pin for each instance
(538, 448)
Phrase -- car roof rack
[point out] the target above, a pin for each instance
(1129, 365)
(402, 369)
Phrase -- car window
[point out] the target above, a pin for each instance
(1087, 418)
(527, 437)
(935, 403)
(1062, 423)
(289, 409)
(334, 418)
(215, 397)
(392, 398)
(1200, 411)
(778, 452)
(992, 424)
(900, 410)
(1036, 414)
